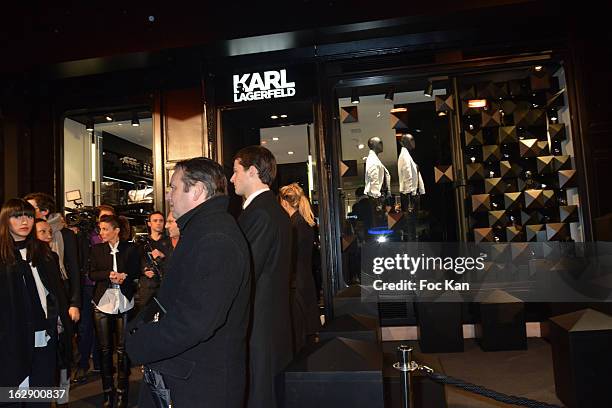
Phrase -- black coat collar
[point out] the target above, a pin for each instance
(211, 206)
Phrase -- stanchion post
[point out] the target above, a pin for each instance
(404, 355)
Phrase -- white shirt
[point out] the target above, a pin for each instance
(409, 175)
(375, 173)
(252, 197)
(113, 301)
(40, 288)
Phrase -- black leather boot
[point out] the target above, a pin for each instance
(109, 399)
(122, 398)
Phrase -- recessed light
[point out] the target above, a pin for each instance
(275, 139)
(441, 113)
(108, 118)
(273, 117)
(418, 130)
(289, 152)
(554, 118)
(538, 68)
(360, 146)
(119, 124)
(283, 116)
(264, 142)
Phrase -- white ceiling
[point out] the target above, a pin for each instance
(292, 138)
(141, 135)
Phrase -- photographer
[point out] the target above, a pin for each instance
(155, 249)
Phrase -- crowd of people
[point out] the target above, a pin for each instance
(233, 300)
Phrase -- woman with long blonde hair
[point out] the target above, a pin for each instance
(304, 306)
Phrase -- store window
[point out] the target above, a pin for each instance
(108, 159)
(518, 154)
(393, 138)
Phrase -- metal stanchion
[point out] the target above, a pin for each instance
(404, 355)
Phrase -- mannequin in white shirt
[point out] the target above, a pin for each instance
(377, 177)
(410, 180)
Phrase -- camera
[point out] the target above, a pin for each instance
(84, 218)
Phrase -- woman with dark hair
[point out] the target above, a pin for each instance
(304, 307)
(115, 263)
(33, 305)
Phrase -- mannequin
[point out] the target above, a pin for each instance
(377, 177)
(411, 185)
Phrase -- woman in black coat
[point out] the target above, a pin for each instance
(33, 305)
(304, 307)
(115, 263)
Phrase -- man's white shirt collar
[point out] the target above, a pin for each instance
(252, 197)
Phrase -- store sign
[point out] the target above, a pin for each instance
(262, 85)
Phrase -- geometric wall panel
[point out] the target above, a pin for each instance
(512, 201)
(562, 162)
(473, 138)
(556, 131)
(530, 217)
(483, 235)
(495, 185)
(557, 231)
(548, 198)
(545, 164)
(567, 178)
(507, 169)
(518, 87)
(491, 119)
(535, 233)
(444, 103)
(481, 202)
(521, 114)
(529, 148)
(399, 120)
(492, 90)
(475, 171)
(534, 199)
(508, 106)
(536, 117)
(498, 218)
(540, 80)
(543, 147)
(468, 93)
(568, 213)
(514, 234)
(491, 153)
(349, 114)
(443, 173)
(507, 134)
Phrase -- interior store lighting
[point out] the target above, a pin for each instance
(273, 116)
(355, 96)
(283, 116)
(135, 120)
(109, 118)
(538, 68)
(396, 110)
(428, 89)
(441, 113)
(477, 103)
(89, 125)
(275, 139)
(390, 94)
(360, 146)
(290, 152)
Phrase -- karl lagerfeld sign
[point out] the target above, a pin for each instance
(262, 85)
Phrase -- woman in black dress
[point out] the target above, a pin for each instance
(33, 304)
(115, 263)
(304, 307)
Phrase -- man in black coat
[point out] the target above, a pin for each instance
(199, 344)
(268, 231)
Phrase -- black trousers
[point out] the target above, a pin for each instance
(43, 371)
(109, 326)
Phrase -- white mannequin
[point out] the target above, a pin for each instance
(375, 171)
(410, 180)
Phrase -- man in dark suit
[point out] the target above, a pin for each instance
(268, 231)
(199, 345)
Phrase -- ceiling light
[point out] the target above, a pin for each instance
(274, 117)
(441, 113)
(275, 139)
(477, 103)
(389, 94)
(418, 130)
(538, 68)
(554, 118)
(428, 89)
(289, 152)
(283, 116)
(360, 146)
(381, 239)
(396, 110)
(354, 96)
(135, 120)
(109, 118)
(120, 124)
(264, 142)
(89, 125)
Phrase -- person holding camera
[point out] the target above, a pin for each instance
(155, 249)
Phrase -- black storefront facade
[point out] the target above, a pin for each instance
(200, 98)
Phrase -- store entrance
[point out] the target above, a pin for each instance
(287, 130)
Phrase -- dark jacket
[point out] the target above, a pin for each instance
(73, 270)
(16, 331)
(305, 307)
(147, 287)
(268, 231)
(199, 345)
(101, 259)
